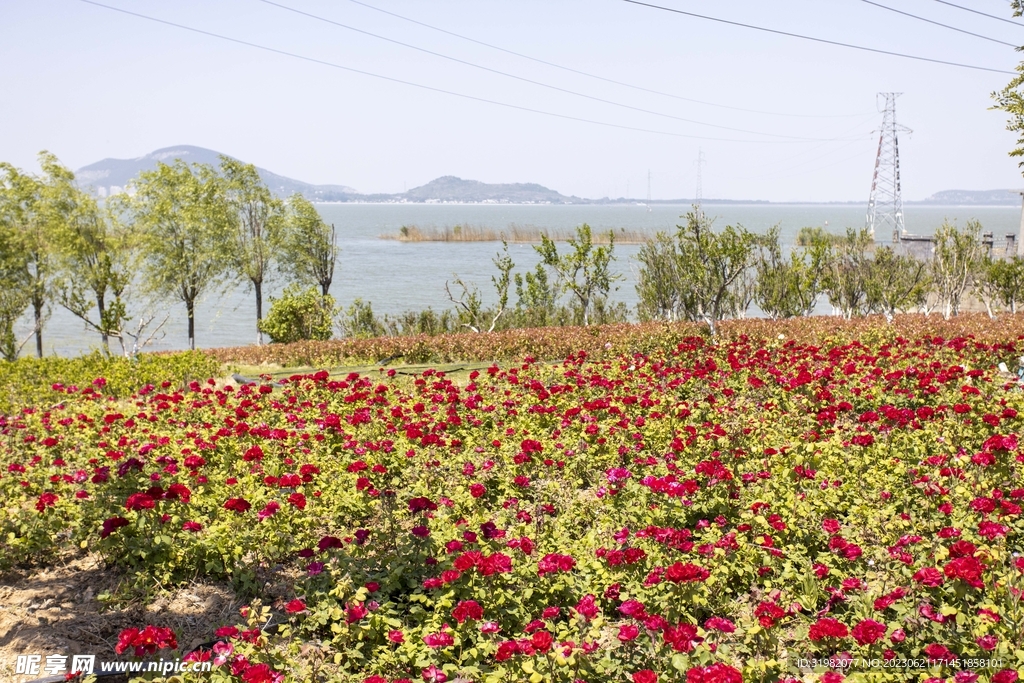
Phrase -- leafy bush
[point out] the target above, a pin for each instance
(299, 315)
(29, 381)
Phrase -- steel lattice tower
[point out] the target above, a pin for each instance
(885, 206)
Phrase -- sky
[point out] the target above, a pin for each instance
(777, 118)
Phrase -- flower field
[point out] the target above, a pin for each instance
(756, 509)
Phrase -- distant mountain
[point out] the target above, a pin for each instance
(974, 197)
(451, 189)
(110, 176)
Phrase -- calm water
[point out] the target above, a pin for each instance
(397, 276)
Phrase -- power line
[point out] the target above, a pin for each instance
(974, 11)
(528, 80)
(392, 79)
(819, 40)
(595, 76)
(951, 28)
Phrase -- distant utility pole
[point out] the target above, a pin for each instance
(885, 205)
(700, 189)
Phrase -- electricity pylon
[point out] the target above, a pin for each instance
(885, 206)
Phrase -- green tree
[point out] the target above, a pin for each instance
(846, 279)
(537, 300)
(14, 286)
(468, 305)
(702, 276)
(24, 210)
(258, 228)
(785, 288)
(359, 321)
(658, 280)
(711, 269)
(956, 261)
(94, 254)
(585, 271)
(1000, 281)
(311, 246)
(895, 282)
(184, 219)
(1011, 98)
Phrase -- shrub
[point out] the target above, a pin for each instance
(299, 315)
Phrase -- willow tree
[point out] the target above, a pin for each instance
(311, 246)
(93, 253)
(257, 227)
(22, 205)
(184, 220)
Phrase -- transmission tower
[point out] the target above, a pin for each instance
(698, 198)
(885, 206)
(648, 190)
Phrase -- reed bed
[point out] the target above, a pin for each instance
(514, 234)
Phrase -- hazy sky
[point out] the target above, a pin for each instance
(87, 83)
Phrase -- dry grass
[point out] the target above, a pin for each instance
(515, 234)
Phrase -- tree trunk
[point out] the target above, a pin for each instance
(37, 310)
(324, 286)
(191, 306)
(258, 286)
(102, 307)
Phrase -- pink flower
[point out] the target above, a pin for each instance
(628, 632)
(434, 675)
(437, 640)
(587, 607)
(719, 624)
(396, 636)
(268, 510)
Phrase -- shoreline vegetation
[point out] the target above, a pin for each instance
(514, 234)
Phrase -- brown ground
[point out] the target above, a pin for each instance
(55, 611)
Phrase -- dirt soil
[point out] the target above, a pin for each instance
(56, 611)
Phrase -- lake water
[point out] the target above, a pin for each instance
(397, 276)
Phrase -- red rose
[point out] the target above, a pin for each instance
(645, 676)
(139, 501)
(686, 573)
(929, 576)
(111, 525)
(827, 627)
(628, 632)
(541, 641)
(238, 505)
(467, 609)
(868, 632)
(295, 606)
(716, 673)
